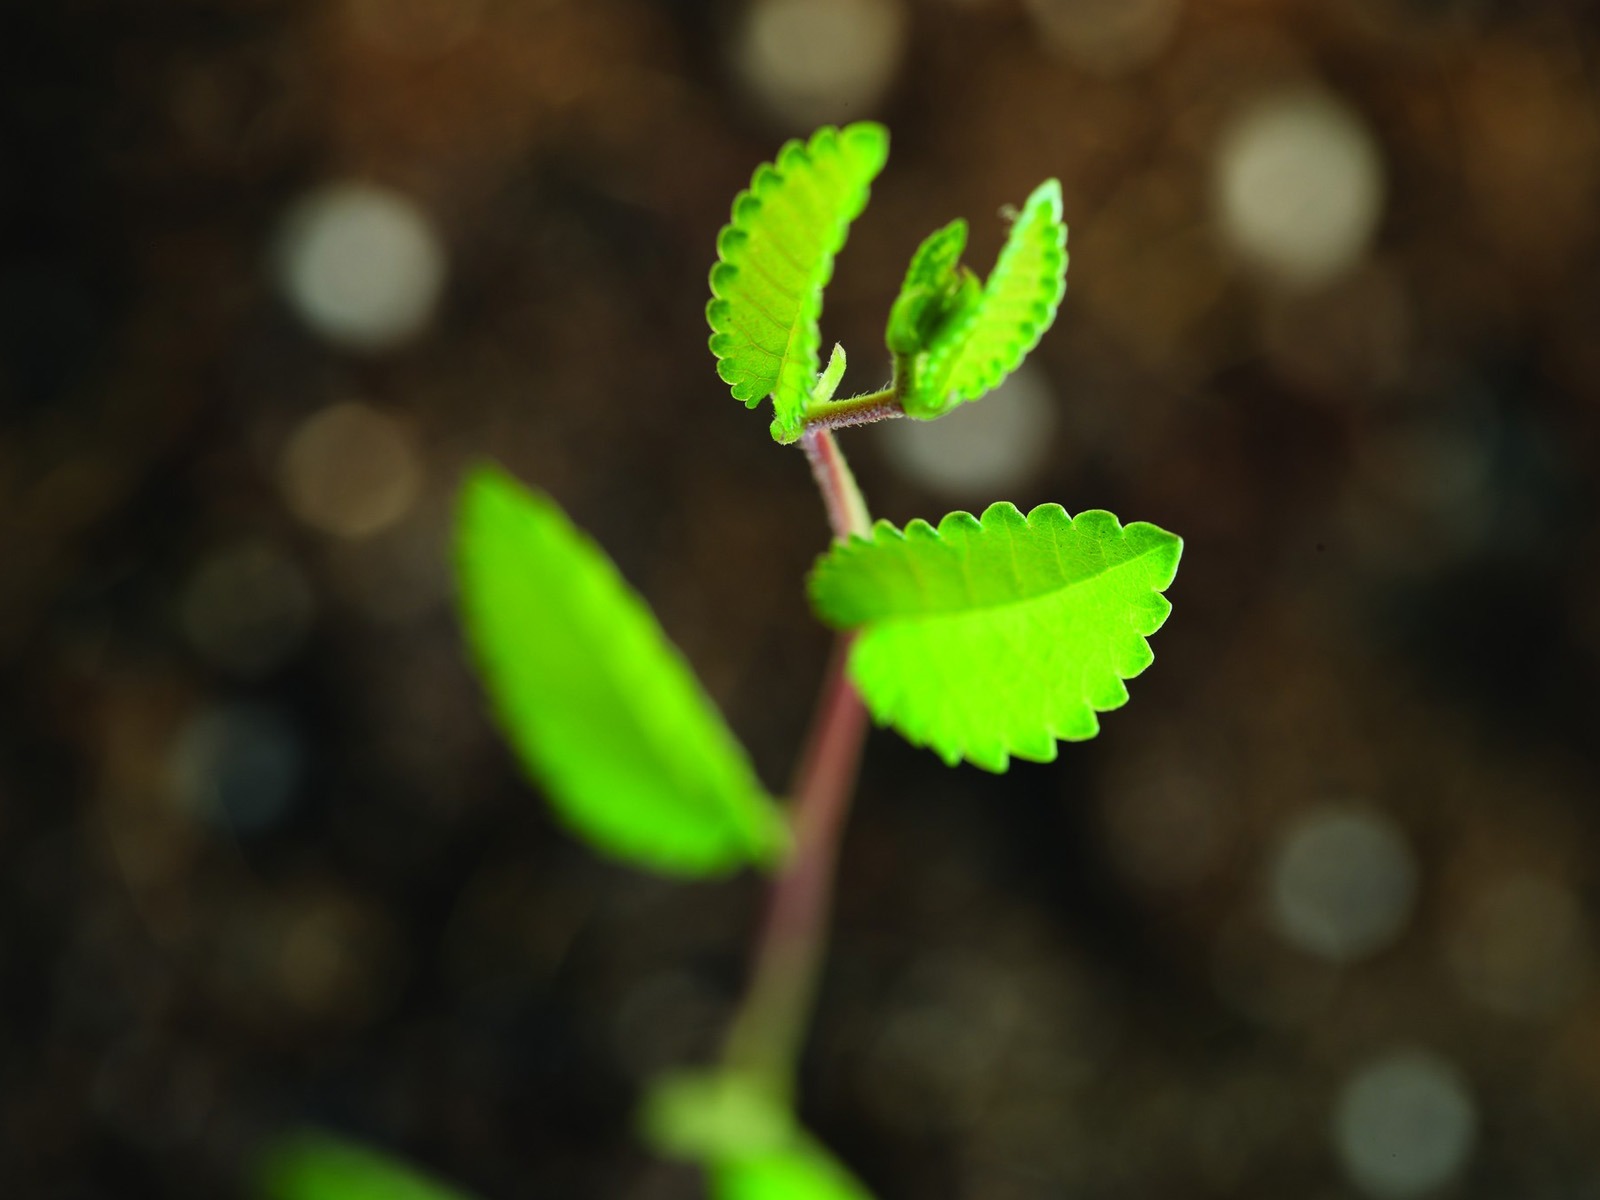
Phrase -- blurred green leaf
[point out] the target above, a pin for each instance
(774, 258)
(748, 1141)
(803, 1171)
(992, 638)
(952, 342)
(317, 1166)
(708, 1115)
(605, 713)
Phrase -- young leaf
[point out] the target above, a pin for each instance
(937, 293)
(989, 638)
(931, 281)
(774, 258)
(317, 1166)
(602, 709)
(828, 382)
(952, 343)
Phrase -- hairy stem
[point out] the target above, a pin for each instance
(855, 410)
(769, 1031)
(847, 511)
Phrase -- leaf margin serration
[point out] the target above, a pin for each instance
(942, 377)
(891, 707)
(860, 150)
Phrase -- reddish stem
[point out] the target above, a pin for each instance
(847, 512)
(768, 1033)
(767, 1037)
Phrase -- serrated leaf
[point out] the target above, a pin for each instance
(984, 639)
(931, 284)
(603, 711)
(774, 258)
(936, 296)
(317, 1166)
(969, 342)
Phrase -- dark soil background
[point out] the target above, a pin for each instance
(1315, 915)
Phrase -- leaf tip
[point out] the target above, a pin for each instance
(487, 489)
(870, 139)
(1047, 194)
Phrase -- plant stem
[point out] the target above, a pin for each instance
(847, 511)
(855, 410)
(767, 1036)
(768, 1033)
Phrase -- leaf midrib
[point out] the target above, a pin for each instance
(1031, 597)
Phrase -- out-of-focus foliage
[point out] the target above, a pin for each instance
(318, 1166)
(604, 711)
(800, 1172)
(748, 1143)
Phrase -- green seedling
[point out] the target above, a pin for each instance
(983, 638)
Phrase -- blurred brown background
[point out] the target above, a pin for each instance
(1315, 916)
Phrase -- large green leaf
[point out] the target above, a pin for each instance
(317, 1166)
(952, 342)
(774, 258)
(602, 709)
(986, 639)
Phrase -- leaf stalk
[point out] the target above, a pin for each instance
(856, 410)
